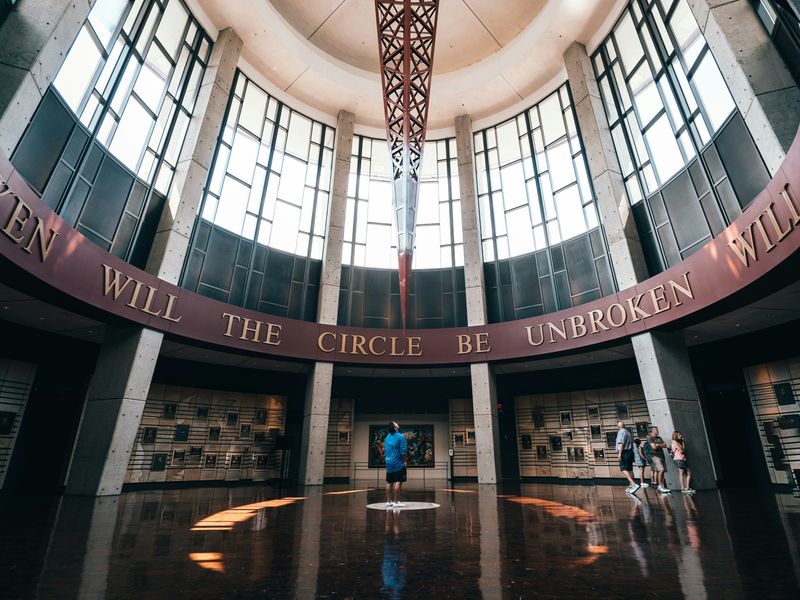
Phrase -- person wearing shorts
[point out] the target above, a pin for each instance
(679, 458)
(639, 461)
(657, 462)
(395, 449)
(624, 445)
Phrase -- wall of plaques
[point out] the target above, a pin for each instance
(192, 434)
(571, 434)
(462, 438)
(16, 379)
(338, 461)
(774, 390)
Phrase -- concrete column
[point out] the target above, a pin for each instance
(33, 43)
(663, 361)
(604, 169)
(484, 394)
(113, 411)
(489, 583)
(320, 379)
(674, 403)
(171, 241)
(760, 83)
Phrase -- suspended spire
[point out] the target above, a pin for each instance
(406, 35)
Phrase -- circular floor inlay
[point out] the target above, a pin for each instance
(408, 506)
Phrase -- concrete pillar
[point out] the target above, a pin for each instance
(489, 583)
(34, 40)
(674, 403)
(309, 545)
(762, 87)
(171, 241)
(663, 361)
(604, 169)
(484, 394)
(320, 379)
(113, 411)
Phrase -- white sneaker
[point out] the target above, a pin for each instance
(390, 504)
(688, 491)
(399, 505)
(635, 488)
(628, 489)
(664, 490)
(645, 485)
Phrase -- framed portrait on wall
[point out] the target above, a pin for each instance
(470, 436)
(593, 410)
(458, 439)
(599, 454)
(579, 454)
(344, 437)
(783, 393)
(178, 458)
(213, 434)
(159, 462)
(596, 432)
(181, 433)
(611, 439)
(170, 410)
(7, 422)
(245, 430)
(211, 461)
(622, 411)
(261, 416)
(149, 435)
(541, 452)
(195, 453)
(202, 413)
(641, 429)
(538, 419)
(233, 419)
(570, 454)
(236, 461)
(420, 442)
(261, 461)
(566, 418)
(527, 441)
(556, 444)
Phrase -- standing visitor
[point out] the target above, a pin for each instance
(395, 449)
(680, 460)
(624, 445)
(639, 461)
(658, 463)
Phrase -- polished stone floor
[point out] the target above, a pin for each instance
(529, 541)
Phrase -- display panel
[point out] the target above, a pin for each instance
(420, 446)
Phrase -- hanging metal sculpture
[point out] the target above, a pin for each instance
(406, 36)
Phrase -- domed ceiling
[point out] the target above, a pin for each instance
(491, 55)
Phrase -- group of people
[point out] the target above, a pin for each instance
(650, 452)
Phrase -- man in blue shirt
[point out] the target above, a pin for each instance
(624, 445)
(395, 450)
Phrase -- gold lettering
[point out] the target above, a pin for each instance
(273, 334)
(464, 344)
(771, 214)
(610, 315)
(343, 347)
(633, 304)
(168, 311)
(749, 247)
(148, 302)
(372, 347)
(17, 221)
(6, 191)
(561, 332)
(769, 245)
(358, 345)
(482, 342)
(657, 300)
(686, 291)
(414, 344)
(596, 319)
(230, 322)
(135, 296)
(248, 328)
(530, 337)
(322, 337)
(114, 284)
(394, 351)
(578, 324)
(44, 247)
(790, 203)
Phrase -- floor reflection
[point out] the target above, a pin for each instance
(523, 541)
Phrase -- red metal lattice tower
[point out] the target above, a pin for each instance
(406, 36)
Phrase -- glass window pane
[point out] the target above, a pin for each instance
(243, 156)
(153, 78)
(299, 136)
(559, 161)
(292, 177)
(104, 17)
(664, 149)
(132, 134)
(508, 142)
(713, 92)
(232, 205)
(513, 185)
(78, 70)
(552, 121)
(285, 226)
(170, 29)
(630, 48)
(255, 102)
(687, 33)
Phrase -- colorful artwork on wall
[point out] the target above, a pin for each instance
(420, 445)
